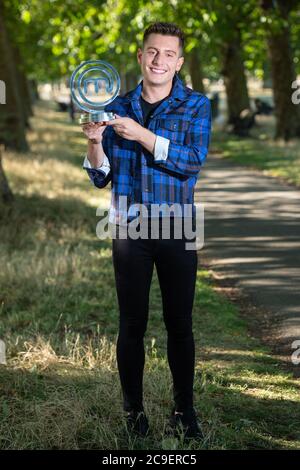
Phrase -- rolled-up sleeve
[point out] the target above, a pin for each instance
(186, 159)
(99, 176)
(161, 148)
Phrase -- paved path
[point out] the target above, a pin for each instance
(252, 235)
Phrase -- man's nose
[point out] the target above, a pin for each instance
(157, 59)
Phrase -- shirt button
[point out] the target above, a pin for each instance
(151, 116)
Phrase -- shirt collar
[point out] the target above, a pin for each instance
(178, 92)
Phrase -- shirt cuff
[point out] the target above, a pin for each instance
(161, 147)
(105, 167)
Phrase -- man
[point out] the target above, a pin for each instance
(152, 153)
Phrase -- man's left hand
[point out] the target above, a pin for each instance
(126, 127)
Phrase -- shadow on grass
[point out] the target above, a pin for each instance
(83, 410)
(55, 137)
(21, 221)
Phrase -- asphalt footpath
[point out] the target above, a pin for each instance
(252, 236)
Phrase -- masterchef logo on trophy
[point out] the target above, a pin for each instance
(94, 84)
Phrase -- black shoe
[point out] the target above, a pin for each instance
(184, 423)
(137, 423)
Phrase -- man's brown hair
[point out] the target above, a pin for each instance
(167, 29)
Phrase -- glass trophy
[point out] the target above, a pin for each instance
(94, 84)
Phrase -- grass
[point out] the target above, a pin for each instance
(59, 318)
(275, 158)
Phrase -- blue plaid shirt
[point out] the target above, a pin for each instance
(182, 124)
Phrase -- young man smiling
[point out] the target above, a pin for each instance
(152, 153)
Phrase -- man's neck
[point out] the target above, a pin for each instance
(152, 94)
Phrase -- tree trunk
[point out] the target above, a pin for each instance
(283, 74)
(267, 79)
(33, 90)
(131, 80)
(5, 191)
(123, 87)
(235, 78)
(23, 86)
(12, 130)
(195, 69)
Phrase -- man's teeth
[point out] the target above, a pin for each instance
(157, 71)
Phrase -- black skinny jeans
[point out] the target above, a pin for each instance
(176, 267)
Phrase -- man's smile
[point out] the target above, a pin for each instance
(157, 71)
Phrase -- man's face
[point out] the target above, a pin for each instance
(160, 59)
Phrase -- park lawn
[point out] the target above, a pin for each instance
(274, 158)
(59, 318)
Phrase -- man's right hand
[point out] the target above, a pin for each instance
(94, 130)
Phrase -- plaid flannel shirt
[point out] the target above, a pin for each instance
(182, 124)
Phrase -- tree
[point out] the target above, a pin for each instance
(282, 65)
(12, 129)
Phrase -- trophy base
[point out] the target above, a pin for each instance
(96, 117)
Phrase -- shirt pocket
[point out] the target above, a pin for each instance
(174, 129)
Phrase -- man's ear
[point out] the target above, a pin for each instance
(179, 64)
(139, 53)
